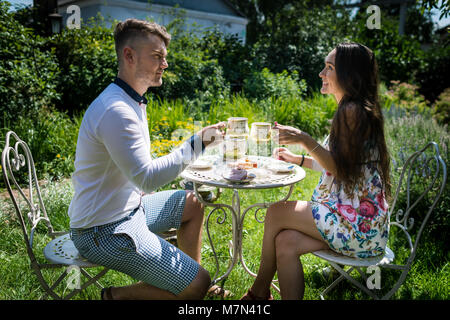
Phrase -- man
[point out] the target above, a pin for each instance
(112, 223)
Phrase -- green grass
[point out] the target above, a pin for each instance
(428, 278)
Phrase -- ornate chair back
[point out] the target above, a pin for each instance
(18, 169)
(422, 182)
(18, 165)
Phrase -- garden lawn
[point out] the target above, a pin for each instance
(425, 281)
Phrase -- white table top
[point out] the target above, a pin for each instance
(265, 177)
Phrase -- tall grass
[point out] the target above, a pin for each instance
(52, 138)
(310, 114)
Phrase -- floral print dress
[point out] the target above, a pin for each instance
(355, 226)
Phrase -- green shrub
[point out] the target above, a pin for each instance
(163, 116)
(236, 106)
(52, 139)
(192, 74)
(265, 84)
(405, 135)
(28, 74)
(432, 77)
(399, 57)
(405, 97)
(441, 108)
(231, 54)
(87, 61)
(294, 40)
(312, 114)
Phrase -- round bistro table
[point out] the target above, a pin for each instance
(266, 178)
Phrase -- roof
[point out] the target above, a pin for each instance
(211, 6)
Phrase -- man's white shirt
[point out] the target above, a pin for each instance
(113, 162)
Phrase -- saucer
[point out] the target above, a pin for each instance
(248, 178)
(200, 165)
(282, 168)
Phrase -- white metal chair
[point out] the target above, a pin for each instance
(60, 252)
(427, 169)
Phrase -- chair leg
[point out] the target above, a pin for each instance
(399, 282)
(49, 291)
(331, 286)
(91, 280)
(89, 276)
(346, 275)
(363, 275)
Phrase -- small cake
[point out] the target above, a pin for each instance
(236, 174)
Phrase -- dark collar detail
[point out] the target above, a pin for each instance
(130, 91)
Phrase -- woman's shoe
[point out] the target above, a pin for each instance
(251, 296)
(216, 291)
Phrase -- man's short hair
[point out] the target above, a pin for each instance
(131, 28)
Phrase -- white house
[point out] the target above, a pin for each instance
(205, 13)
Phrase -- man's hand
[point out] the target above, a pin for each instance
(212, 135)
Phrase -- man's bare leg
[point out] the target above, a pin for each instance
(143, 291)
(189, 238)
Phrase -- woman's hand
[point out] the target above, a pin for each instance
(285, 155)
(287, 134)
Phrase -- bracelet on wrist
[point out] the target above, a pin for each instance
(314, 148)
(303, 160)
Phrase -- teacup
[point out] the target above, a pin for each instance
(261, 131)
(237, 127)
(234, 148)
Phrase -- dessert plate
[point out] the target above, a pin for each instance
(238, 176)
(201, 165)
(282, 168)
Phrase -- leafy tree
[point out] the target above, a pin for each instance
(87, 61)
(233, 56)
(399, 57)
(444, 6)
(262, 14)
(28, 74)
(299, 40)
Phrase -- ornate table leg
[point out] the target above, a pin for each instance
(235, 211)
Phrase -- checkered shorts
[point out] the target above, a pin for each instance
(131, 246)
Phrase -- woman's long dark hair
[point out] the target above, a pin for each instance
(357, 75)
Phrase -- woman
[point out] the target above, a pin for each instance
(348, 211)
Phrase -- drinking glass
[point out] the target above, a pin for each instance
(261, 131)
(260, 135)
(237, 127)
(234, 148)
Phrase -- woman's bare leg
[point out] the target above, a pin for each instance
(295, 215)
(289, 246)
